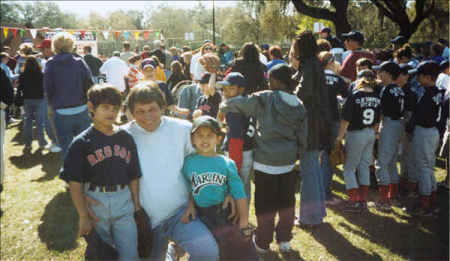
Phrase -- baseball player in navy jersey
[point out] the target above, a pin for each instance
(406, 157)
(424, 125)
(360, 116)
(392, 128)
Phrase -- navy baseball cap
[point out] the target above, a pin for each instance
(326, 30)
(354, 35)
(399, 39)
(389, 67)
(366, 73)
(265, 47)
(148, 62)
(427, 68)
(234, 78)
(207, 121)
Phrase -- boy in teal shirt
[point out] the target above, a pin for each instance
(211, 176)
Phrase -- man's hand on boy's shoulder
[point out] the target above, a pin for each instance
(188, 215)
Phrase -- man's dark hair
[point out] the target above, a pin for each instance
(144, 93)
(87, 49)
(104, 94)
(275, 51)
(126, 46)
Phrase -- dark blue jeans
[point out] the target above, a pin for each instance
(69, 126)
(34, 110)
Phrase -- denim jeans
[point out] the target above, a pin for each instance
(69, 126)
(358, 155)
(425, 144)
(49, 123)
(194, 237)
(116, 225)
(2, 143)
(312, 191)
(34, 109)
(390, 136)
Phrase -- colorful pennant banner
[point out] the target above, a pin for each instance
(82, 32)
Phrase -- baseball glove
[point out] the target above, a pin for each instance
(337, 156)
(145, 237)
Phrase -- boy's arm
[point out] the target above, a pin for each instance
(248, 106)
(242, 207)
(134, 188)
(190, 212)
(76, 192)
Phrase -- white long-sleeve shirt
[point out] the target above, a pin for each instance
(163, 190)
(115, 70)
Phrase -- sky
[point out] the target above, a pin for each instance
(83, 8)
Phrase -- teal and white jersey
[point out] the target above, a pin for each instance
(212, 178)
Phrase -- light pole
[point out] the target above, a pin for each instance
(214, 23)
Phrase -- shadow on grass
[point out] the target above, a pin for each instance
(59, 227)
(50, 163)
(290, 256)
(338, 246)
(410, 239)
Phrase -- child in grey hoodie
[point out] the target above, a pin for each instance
(281, 132)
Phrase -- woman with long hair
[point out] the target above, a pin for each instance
(177, 74)
(313, 91)
(31, 86)
(250, 66)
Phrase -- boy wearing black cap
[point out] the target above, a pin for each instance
(211, 176)
(353, 41)
(208, 103)
(239, 138)
(424, 126)
(392, 110)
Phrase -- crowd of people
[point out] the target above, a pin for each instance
(180, 135)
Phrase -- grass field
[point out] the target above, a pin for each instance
(40, 223)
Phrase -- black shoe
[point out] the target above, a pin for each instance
(363, 207)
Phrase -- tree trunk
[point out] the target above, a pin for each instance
(339, 17)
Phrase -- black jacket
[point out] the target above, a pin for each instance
(32, 85)
(314, 93)
(6, 89)
(94, 64)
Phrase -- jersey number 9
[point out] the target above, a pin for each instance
(368, 116)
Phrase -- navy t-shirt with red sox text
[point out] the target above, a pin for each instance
(101, 159)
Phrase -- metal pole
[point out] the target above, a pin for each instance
(214, 24)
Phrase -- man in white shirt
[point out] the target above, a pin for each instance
(162, 144)
(127, 53)
(115, 70)
(197, 72)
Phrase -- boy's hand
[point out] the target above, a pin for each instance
(91, 202)
(229, 201)
(188, 215)
(86, 225)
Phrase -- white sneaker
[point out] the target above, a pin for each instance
(53, 148)
(259, 250)
(284, 247)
